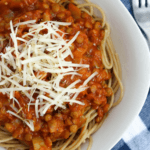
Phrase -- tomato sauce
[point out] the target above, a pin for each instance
(86, 49)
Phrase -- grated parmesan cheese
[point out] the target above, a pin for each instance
(27, 122)
(32, 65)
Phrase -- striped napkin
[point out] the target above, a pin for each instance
(137, 137)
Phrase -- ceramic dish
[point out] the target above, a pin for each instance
(135, 61)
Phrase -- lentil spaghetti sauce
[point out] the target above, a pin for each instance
(58, 73)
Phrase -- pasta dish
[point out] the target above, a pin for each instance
(59, 73)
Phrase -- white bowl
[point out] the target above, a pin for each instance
(135, 61)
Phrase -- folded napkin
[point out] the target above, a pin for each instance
(137, 137)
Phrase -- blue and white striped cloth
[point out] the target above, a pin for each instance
(137, 137)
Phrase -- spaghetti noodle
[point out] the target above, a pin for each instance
(110, 63)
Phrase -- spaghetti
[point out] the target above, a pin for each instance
(81, 126)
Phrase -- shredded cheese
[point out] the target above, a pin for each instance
(90, 78)
(27, 122)
(40, 55)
